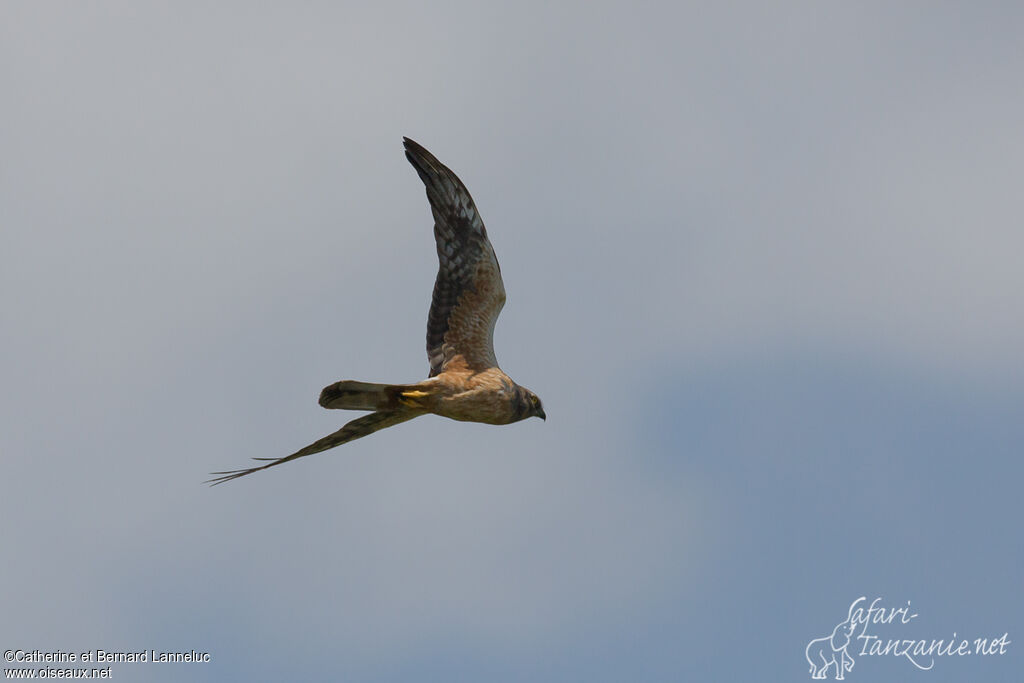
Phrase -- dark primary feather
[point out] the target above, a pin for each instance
(356, 429)
(461, 245)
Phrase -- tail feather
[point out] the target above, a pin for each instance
(352, 395)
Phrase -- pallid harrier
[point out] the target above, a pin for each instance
(465, 381)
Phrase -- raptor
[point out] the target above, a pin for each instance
(465, 382)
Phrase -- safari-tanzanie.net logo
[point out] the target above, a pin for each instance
(873, 630)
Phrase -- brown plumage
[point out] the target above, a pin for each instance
(465, 382)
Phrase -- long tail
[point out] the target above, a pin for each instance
(352, 395)
(356, 429)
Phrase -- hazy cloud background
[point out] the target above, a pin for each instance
(764, 268)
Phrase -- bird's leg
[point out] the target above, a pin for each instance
(413, 398)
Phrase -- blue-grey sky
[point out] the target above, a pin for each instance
(763, 267)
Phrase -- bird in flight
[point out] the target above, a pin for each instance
(465, 382)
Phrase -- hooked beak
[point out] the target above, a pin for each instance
(541, 415)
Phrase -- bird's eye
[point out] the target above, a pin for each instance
(534, 399)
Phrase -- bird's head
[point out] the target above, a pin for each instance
(529, 405)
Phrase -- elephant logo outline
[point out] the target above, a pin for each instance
(823, 653)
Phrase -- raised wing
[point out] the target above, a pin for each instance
(468, 292)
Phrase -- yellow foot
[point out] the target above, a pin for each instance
(412, 399)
